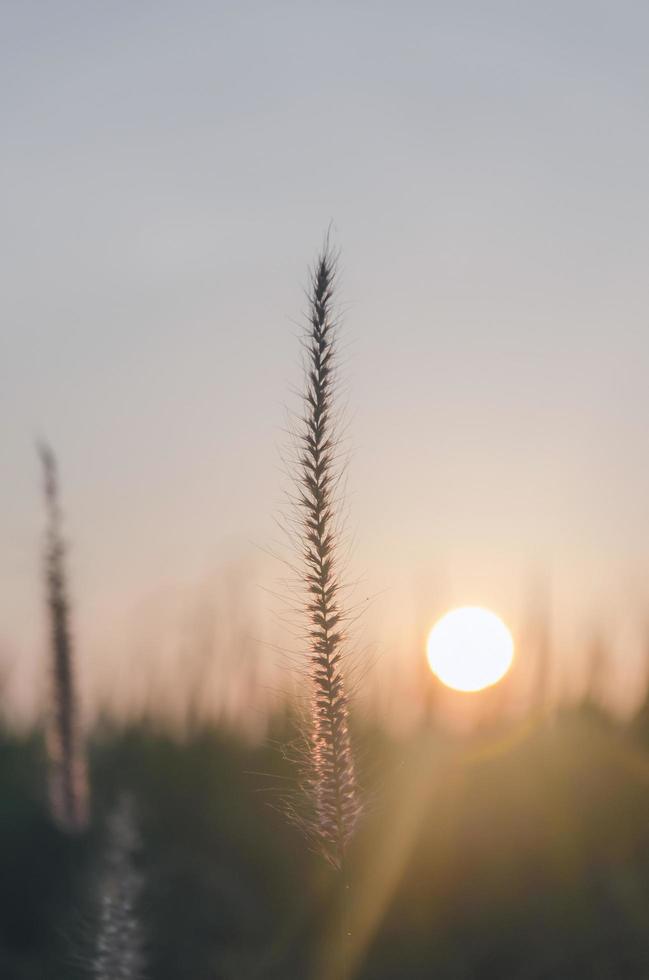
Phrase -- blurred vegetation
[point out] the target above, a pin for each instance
(518, 852)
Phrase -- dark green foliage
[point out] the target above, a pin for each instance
(522, 855)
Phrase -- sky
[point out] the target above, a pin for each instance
(168, 173)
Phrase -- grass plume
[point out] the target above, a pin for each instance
(329, 777)
(68, 783)
(119, 945)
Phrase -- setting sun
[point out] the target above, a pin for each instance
(469, 649)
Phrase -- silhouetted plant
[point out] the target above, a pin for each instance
(68, 784)
(329, 779)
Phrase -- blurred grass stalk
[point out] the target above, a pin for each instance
(68, 779)
(119, 944)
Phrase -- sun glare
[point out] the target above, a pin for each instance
(470, 648)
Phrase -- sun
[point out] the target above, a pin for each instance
(470, 648)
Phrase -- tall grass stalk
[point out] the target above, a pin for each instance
(329, 778)
(68, 782)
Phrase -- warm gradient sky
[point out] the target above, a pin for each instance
(168, 170)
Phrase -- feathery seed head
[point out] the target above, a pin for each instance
(119, 946)
(330, 777)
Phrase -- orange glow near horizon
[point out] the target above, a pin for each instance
(469, 649)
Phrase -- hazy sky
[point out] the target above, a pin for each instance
(168, 171)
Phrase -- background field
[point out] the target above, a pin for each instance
(521, 852)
